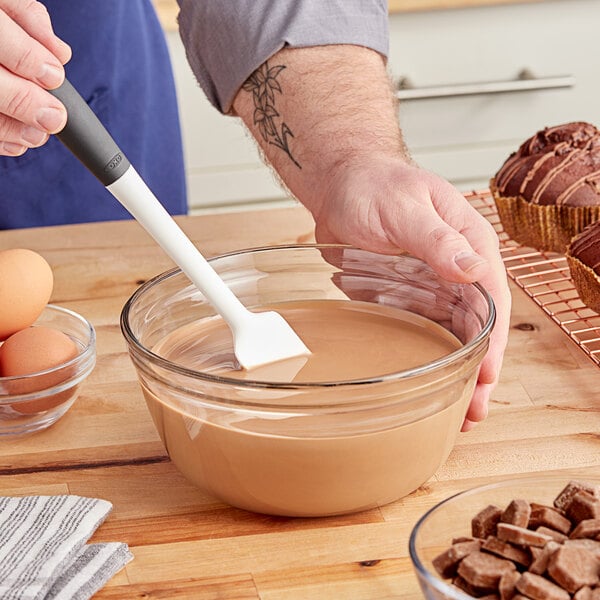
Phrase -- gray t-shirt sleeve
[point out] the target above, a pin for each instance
(227, 40)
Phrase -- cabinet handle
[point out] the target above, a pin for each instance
(524, 82)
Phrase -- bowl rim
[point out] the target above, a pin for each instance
(443, 586)
(250, 383)
(86, 353)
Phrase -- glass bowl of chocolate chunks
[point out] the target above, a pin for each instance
(534, 537)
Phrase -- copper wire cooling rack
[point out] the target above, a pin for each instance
(545, 278)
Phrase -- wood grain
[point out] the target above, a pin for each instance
(544, 416)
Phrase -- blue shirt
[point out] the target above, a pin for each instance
(121, 67)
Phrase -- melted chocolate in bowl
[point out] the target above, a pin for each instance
(372, 414)
(348, 340)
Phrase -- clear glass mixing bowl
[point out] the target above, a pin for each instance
(310, 449)
(29, 403)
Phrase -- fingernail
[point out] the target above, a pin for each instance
(51, 76)
(51, 119)
(11, 149)
(467, 261)
(66, 48)
(33, 136)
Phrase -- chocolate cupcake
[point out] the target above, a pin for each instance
(548, 191)
(583, 257)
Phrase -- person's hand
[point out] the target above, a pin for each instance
(326, 119)
(31, 62)
(385, 205)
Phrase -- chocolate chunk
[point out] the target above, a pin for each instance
(547, 516)
(484, 570)
(507, 550)
(583, 506)
(470, 589)
(485, 521)
(537, 588)
(584, 593)
(588, 528)
(446, 563)
(557, 536)
(536, 551)
(591, 546)
(517, 513)
(540, 563)
(572, 568)
(574, 487)
(507, 585)
(462, 538)
(521, 536)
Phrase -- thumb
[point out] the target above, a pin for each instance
(426, 235)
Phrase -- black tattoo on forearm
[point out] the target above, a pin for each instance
(263, 85)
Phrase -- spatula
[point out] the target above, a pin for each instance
(259, 337)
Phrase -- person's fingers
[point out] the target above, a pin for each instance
(15, 137)
(498, 289)
(485, 242)
(33, 19)
(420, 230)
(391, 208)
(31, 58)
(495, 282)
(478, 409)
(466, 223)
(11, 149)
(28, 103)
(416, 211)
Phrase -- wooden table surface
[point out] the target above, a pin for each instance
(544, 416)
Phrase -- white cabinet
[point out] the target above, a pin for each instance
(464, 138)
(223, 167)
(467, 138)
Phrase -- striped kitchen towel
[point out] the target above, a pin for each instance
(43, 551)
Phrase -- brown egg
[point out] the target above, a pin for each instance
(35, 349)
(26, 283)
(32, 350)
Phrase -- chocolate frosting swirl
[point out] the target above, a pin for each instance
(558, 165)
(586, 247)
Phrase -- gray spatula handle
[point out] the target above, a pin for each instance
(88, 139)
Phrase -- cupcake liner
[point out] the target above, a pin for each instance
(543, 227)
(586, 282)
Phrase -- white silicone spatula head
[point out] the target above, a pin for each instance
(259, 338)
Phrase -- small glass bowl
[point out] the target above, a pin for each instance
(309, 449)
(33, 402)
(434, 531)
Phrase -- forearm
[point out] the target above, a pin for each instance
(344, 158)
(321, 109)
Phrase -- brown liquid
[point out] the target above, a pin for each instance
(347, 340)
(325, 461)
